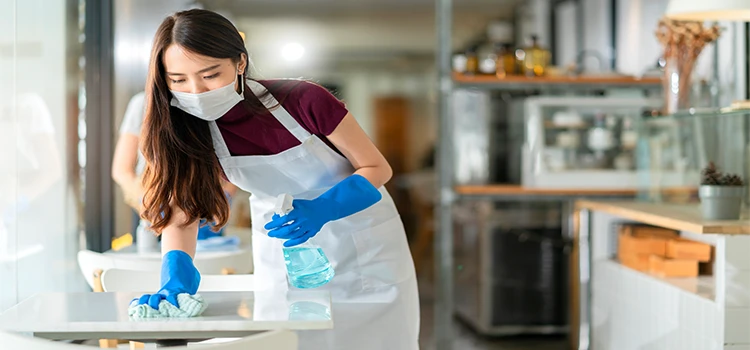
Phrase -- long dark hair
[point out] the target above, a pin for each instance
(181, 167)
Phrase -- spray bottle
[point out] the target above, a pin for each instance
(306, 264)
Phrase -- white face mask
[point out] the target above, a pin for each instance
(209, 105)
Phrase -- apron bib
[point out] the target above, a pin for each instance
(374, 291)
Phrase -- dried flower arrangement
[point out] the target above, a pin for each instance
(683, 42)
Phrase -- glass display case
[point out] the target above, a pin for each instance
(684, 143)
(583, 142)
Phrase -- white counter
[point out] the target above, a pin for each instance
(621, 308)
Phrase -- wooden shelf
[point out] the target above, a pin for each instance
(520, 190)
(530, 82)
(680, 217)
(510, 189)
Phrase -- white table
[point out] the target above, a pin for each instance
(239, 259)
(80, 316)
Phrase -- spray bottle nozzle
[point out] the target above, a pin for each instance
(283, 204)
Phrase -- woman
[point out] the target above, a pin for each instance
(205, 121)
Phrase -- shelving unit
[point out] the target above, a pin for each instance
(502, 190)
(509, 191)
(448, 193)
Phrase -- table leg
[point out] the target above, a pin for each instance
(170, 343)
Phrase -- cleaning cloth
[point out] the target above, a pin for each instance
(190, 306)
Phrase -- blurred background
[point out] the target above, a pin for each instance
(69, 69)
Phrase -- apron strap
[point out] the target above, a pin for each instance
(278, 111)
(220, 147)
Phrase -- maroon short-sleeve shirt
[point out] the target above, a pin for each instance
(312, 106)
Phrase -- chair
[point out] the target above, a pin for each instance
(271, 340)
(119, 280)
(208, 263)
(92, 264)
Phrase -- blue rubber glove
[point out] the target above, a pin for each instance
(350, 196)
(178, 275)
(205, 232)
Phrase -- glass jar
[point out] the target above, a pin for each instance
(506, 61)
(472, 62)
(536, 58)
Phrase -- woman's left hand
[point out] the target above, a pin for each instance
(353, 194)
(301, 224)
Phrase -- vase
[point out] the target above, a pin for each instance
(721, 202)
(678, 72)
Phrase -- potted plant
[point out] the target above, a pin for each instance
(721, 194)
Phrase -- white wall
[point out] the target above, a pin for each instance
(362, 87)
(368, 55)
(39, 231)
(328, 38)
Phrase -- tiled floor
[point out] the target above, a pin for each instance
(466, 339)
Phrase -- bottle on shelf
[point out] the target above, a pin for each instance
(458, 63)
(506, 61)
(536, 58)
(600, 136)
(472, 61)
(629, 135)
(488, 64)
(520, 57)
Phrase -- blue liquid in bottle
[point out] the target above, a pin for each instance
(307, 266)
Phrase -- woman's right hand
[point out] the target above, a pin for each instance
(178, 276)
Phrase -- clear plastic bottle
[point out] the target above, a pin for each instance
(145, 239)
(307, 266)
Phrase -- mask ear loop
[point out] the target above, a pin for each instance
(242, 81)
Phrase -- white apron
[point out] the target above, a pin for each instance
(374, 290)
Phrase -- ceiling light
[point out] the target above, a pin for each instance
(292, 51)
